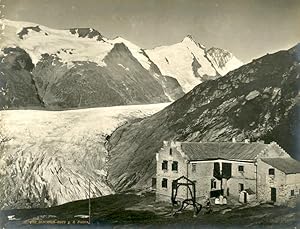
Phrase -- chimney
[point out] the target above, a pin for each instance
(233, 140)
(247, 140)
(157, 156)
(173, 143)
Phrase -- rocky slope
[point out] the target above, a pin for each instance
(47, 157)
(17, 88)
(222, 60)
(80, 68)
(121, 81)
(259, 101)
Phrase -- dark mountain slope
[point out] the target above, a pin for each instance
(17, 88)
(85, 84)
(256, 101)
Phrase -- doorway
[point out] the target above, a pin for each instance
(273, 194)
(245, 197)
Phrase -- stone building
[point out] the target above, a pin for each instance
(242, 170)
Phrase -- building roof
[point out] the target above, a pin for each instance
(222, 150)
(286, 165)
(249, 191)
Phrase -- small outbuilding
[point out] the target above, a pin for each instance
(247, 195)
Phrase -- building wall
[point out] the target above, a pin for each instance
(247, 178)
(293, 179)
(164, 194)
(293, 183)
(282, 182)
(273, 150)
(202, 175)
(265, 182)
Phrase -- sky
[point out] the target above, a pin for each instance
(247, 28)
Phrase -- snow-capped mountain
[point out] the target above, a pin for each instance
(105, 72)
(80, 68)
(189, 62)
(67, 45)
(47, 157)
(222, 60)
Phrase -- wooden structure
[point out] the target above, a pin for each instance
(191, 194)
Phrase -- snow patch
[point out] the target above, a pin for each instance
(36, 44)
(127, 69)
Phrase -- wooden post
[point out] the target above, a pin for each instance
(187, 176)
(89, 201)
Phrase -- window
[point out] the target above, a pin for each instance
(241, 168)
(226, 170)
(175, 166)
(241, 187)
(171, 152)
(217, 171)
(193, 167)
(164, 183)
(213, 183)
(292, 192)
(271, 171)
(164, 165)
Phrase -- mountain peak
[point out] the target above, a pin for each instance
(119, 39)
(189, 39)
(190, 36)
